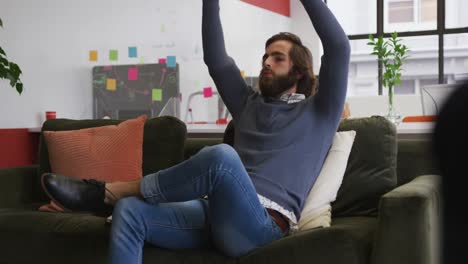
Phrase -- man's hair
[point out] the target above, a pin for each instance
(302, 59)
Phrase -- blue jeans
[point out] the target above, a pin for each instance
(173, 214)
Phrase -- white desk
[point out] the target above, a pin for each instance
(404, 130)
(205, 128)
(201, 130)
(416, 128)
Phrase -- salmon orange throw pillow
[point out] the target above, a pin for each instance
(106, 153)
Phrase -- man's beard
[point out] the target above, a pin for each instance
(275, 85)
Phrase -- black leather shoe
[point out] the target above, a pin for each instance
(76, 195)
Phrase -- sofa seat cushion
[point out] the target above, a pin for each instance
(38, 237)
(153, 254)
(75, 238)
(348, 241)
(83, 238)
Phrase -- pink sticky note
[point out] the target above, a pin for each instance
(108, 68)
(207, 92)
(133, 74)
(162, 61)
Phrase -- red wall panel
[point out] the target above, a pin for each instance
(18, 147)
(278, 6)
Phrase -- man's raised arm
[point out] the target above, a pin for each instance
(227, 77)
(333, 76)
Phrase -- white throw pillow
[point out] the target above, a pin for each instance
(317, 207)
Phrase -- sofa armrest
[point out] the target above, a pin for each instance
(16, 186)
(408, 223)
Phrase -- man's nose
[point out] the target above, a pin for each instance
(267, 63)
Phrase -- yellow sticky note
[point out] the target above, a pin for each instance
(157, 95)
(142, 60)
(163, 28)
(243, 74)
(93, 55)
(111, 84)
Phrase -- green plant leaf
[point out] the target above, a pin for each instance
(19, 87)
(1, 23)
(4, 62)
(3, 73)
(2, 51)
(391, 53)
(15, 69)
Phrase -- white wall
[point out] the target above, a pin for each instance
(50, 40)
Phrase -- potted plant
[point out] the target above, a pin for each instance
(392, 53)
(10, 70)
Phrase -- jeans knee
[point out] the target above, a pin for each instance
(222, 153)
(126, 210)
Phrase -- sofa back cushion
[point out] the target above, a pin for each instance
(371, 168)
(163, 143)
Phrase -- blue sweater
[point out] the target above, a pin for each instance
(282, 146)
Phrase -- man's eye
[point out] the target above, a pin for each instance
(278, 59)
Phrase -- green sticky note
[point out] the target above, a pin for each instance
(113, 55)
(157, 95)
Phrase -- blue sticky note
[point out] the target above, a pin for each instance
(132, 52)
(171, 61)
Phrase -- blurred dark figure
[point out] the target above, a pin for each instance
(451, 149)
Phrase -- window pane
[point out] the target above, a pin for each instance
(400, 11)
(355, 16)
(363, 80)
(456, 57)
(410, 15)
(428, 10)
(455, 13)
(406, 87)
(422, 66)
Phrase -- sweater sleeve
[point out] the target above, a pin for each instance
(222, 68)
(333, 75)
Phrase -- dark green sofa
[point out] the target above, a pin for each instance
(386, 211)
